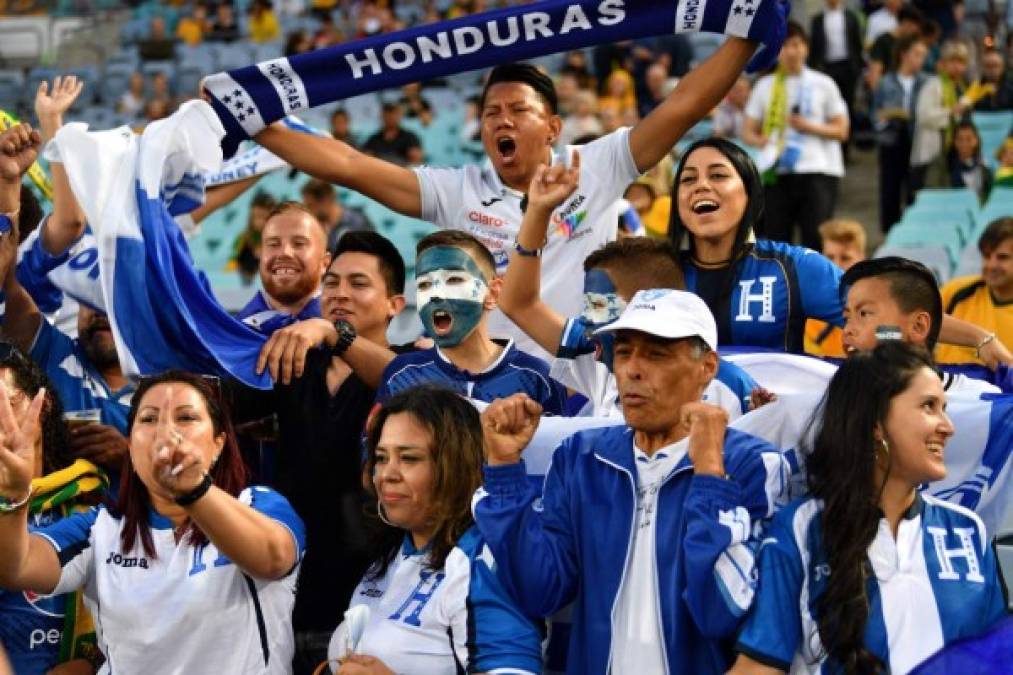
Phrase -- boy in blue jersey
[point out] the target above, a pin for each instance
(649, 528)
(612, 274)
(456, 289)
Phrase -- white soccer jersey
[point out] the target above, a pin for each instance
(189, 610)
(472, 198)
(443, 622)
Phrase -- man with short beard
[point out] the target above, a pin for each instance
(292, 261)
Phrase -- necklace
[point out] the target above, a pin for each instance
(715, 264)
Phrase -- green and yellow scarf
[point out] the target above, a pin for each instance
(62, 490)
(775, 119)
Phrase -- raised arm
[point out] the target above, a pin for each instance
(26, 562)
(220, 195)
(19, 147)
(67, 222)
(520, 298)
(694, 97)
(396, 187)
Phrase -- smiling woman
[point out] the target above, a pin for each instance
(761, 292)
(432, 601)
(891, 575)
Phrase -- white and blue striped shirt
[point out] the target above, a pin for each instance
(935, 583)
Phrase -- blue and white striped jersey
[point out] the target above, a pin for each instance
(434, 622)
(935, 583)
(190, 609)
(513, 372)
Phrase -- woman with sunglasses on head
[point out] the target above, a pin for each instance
(431, 603)
(192, 571)
(40, 633)
(867, 575)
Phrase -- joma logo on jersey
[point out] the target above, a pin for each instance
(124, 561)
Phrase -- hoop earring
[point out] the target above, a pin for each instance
(884, 446)
(380, 514)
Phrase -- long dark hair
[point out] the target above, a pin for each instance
(28, 379)
(456, 433)
(229, 472)
(841, 472)
(752, 218)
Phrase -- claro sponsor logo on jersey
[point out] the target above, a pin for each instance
(485, 219)
(445, 45)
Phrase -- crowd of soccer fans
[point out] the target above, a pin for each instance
(636, 401)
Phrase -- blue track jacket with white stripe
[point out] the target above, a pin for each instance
(571, 542)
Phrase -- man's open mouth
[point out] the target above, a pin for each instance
(442, 321)
(507, 147)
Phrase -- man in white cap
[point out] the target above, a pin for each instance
(648, 528)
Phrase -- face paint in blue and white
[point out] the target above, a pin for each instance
(602, 305)
(450, 292)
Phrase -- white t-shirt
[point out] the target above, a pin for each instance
(636, 627)
(816, 98)
(472, 198)
(190, 609)
(836, 34)
(881, 21)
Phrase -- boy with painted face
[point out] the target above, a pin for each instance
(612, 275)
(456, 289)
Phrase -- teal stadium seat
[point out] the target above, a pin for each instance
(936, 257)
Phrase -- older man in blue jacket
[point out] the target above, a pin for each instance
(648, 528)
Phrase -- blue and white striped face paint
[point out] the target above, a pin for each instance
(602, 305)
(450, 292)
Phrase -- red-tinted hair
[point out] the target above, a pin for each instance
(229, 472)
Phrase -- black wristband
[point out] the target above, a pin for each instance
(198, 492)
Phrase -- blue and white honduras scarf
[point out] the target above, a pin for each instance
(161, 309)
(248, 99)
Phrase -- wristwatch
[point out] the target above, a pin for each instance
(346, 336)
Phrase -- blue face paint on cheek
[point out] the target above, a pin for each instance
(458, 296)
(602, 305)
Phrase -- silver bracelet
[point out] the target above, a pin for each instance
(984, 341)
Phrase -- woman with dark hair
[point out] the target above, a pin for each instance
(964, 161)
(60, 486)
(190, 572)
(431, 603)
(867, 575)
(761, 292)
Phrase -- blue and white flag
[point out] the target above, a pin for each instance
(161, 309)
(248, 99)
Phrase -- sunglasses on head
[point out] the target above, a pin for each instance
(213, 381)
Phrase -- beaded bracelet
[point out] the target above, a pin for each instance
(12, 507)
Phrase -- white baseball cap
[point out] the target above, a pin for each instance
(667, 314)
